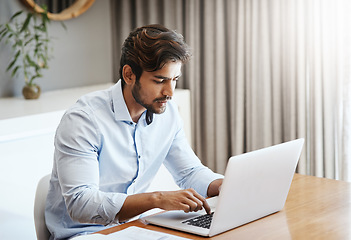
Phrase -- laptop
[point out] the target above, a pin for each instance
(256, 184)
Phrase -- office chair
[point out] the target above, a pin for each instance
(39, 208)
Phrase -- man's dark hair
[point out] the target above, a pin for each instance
(150, 47)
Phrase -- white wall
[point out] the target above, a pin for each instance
(82, 54)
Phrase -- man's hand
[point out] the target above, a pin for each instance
(187, 200)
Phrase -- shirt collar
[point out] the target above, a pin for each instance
(120, 107)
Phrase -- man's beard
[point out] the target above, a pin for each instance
(149, 107)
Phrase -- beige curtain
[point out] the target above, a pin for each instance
(263, 72)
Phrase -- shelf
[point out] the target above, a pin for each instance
(48, 101)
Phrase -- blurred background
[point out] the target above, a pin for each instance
(262, 72)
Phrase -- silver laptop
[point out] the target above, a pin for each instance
(256, 184)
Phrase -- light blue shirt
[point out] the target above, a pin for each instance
(102, 156)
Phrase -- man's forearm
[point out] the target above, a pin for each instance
(135, 205)
(214, 187)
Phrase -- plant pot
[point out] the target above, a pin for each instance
(31, 91)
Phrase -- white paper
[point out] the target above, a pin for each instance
(131, 233)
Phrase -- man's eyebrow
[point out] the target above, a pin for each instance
(166, 78)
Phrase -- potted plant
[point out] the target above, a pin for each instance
(30, 41)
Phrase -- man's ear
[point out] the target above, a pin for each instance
(128, 75)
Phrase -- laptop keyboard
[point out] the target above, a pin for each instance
(203, 221)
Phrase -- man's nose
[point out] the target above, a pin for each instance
(169, 88)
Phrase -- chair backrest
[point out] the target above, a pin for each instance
(39, 208)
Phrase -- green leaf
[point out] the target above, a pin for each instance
(15, 70)
(2, 30)
(17, 54)
(26, 22)
(26, 43)
(11, 64)
(38, 47)
(15, 15)
(30, 61)
(44, 15)
(3, 34)
(19, 42)
(35, 76)
(9, 28)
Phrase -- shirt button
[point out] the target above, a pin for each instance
(131, 123)
(139, 156)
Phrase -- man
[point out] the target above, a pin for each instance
(111, 143)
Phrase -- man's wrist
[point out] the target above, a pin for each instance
(155, 199)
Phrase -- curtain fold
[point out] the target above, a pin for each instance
(263, 72)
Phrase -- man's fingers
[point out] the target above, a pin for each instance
(185, 207)
(191, 204)
(200, 202)
(187, 200)
(207, 207)
(204, 203)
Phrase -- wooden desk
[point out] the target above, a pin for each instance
(316, 208)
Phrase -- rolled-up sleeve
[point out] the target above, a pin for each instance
(77, 144)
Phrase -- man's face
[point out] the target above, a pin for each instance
(154, 89)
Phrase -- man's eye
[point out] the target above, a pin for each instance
(158, 81)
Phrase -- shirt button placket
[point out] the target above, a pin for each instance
(137, 150)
